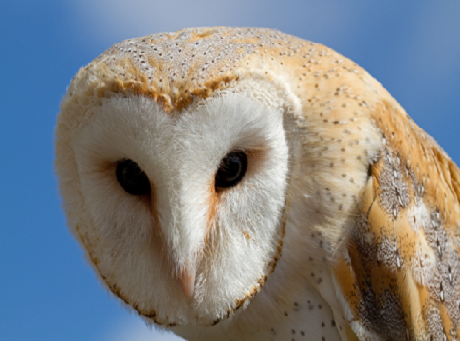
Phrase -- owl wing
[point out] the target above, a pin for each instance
(398, 275)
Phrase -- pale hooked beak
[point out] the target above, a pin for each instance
(187, 279)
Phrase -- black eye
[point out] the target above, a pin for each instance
(231, 170)
(132, 178)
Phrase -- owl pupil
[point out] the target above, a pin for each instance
(231, 170)
(131, 178)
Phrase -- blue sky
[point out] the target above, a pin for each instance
(48, 292)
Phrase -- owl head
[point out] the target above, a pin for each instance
(177, 156)
(174, 176)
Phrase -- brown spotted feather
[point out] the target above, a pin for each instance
(402, 277)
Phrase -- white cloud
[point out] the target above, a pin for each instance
(110, 21)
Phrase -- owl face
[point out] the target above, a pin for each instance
(181, 214)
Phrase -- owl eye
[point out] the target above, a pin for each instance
(131, 178)
(231, 170)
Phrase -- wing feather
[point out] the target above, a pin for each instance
(399, 270)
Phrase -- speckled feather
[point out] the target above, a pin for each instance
(384, 226)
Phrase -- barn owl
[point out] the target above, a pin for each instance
(245, 184)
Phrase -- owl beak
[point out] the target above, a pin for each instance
(188, 280)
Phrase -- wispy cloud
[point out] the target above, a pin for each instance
(110, 21)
